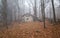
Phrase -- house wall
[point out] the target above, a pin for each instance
(28, 19)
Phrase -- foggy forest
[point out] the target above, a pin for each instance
(29, 18)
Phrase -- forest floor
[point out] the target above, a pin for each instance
(31, 30)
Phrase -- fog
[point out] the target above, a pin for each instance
(17, 8)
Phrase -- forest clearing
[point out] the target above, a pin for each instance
(29, 18)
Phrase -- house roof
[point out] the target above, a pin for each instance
(27, 14)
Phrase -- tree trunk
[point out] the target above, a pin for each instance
(59, 3)
(50, 16)
(4, 13)
(43, 11)
(54, 16)
(35, 10)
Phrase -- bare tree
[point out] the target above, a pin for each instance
(43, 11)
(35, 10)
(39, 9)
(54, 16)
(4, 13)
(50, 16)
(18, 11)
(59, 3)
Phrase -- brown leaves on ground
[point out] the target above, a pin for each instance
(31, 30)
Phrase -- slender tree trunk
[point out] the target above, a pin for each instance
(4, 13)
(59, 3)
(18, 11)
(39, 11)
(29, 9)
(43, 11)
(35, 10)
(50, 16)
(54, 16)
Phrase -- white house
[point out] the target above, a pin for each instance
(27, 17)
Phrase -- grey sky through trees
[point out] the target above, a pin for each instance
(25, 5)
